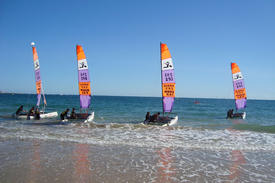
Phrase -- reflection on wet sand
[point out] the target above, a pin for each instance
(165, 171)
(35, 163)
(238, 159)
(82, 166)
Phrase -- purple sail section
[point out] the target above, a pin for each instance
(239, 84)
(83, 75)
(38, 99)
(37, 75)
(37, 78)
(240, 104)
(85, 101)
(168, 104)
(168, 76)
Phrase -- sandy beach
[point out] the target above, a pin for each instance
(53, 161)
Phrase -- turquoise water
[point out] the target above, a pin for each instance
(117, 121)
(209, 113)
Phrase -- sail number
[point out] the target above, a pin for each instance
(168, 77)
(83, 76)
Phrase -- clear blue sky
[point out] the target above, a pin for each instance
(121, 42)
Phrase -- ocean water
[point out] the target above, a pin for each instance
(204, 146)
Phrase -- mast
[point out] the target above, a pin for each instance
(161, 79)
(44, 98)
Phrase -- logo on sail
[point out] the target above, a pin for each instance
(167, 64)
(237, 76)
(36, 64)
(82, 64)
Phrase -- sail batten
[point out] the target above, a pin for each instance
(239, 87)
(37, 74)
(83, 79)
(167, 79)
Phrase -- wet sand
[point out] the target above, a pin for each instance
(52, 161)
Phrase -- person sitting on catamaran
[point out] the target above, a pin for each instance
(19, 110)
(229, 113)
(147, 117)
(30, 113)
(155, 117)
(73, 114)
(64, 114)
(37, 114)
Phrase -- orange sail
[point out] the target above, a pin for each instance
(83, 78)
(239, 88)
(167, 78)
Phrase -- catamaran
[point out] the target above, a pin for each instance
(239, 92)
(84, 86)
(39, 89)
(168, 89)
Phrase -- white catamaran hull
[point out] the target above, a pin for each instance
(240, 115)
(244, 115)
(173, 122)
(42, 115)
(90, 118)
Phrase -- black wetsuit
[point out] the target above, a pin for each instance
(73, 115)
(229, 113)
(19, 110)
(37, 115)
(63, 115)
(147, 117)
(30, 113)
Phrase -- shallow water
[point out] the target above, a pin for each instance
(204, 146)
(51, 161)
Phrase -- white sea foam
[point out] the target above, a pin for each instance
(138, 136)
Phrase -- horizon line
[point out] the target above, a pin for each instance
(1, 92)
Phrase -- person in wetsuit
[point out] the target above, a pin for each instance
(147, 117)
(155, 117)
(73, 114)
(64, 114)
(37, 114)
(229, 113)
(19, 110)
(30, 113)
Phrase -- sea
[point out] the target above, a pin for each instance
(204, 146)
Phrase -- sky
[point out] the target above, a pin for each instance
(121, 41)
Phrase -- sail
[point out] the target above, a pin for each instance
(238, 85)
(83, 79)
(37, 74)
(167, 79)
